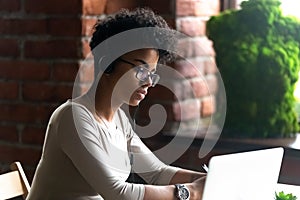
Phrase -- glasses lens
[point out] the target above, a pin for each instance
(144, 74)
(155, 78)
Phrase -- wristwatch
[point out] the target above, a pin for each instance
(182, 192)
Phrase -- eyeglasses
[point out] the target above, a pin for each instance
(142, 73)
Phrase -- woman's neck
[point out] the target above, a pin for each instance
(103, 104)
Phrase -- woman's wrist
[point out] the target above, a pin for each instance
(194, 191)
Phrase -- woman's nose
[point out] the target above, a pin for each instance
(148, 82)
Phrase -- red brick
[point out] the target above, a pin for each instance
(8, 133)
(200, 87)
(214, 7)
(208, 8)
(9, 48)
(64, 26)
(21, 112)
(203, 47)
(66, 7)
(189, 67)
(36, 91)
(192, 26)
(164, 7)
(24, 70)
(186, 7)
(54, 26)
(194, 47)
(186, 110)
(33, 135)
(113, 6)
(184, 90)
(60, 48)
(208, 106)
(88, 26)
(212, 83)
(23, 26)
(26, 155)
(197, 7)
(10, 6)
(185, 48)
(9, 90)
(65, 71)
(86, 50)
(210, 66)
(93, 7)
(86, 72)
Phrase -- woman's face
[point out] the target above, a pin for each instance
(128, 87)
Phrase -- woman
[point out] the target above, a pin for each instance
(90, 147)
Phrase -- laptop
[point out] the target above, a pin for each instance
(251, 175)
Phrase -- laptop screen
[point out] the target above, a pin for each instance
(251, 175)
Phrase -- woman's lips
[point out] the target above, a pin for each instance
(141, 94)
(142, 91)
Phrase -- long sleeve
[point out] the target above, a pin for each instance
(83, 160)
(148, 166)
(99, 159)
(145, 163)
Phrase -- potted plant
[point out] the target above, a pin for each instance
(257, 53)
(283, 196)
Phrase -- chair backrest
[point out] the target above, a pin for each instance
(14, 183)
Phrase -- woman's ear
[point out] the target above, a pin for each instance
(106, 65)
(110, 68)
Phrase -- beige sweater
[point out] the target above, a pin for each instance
(83, 159)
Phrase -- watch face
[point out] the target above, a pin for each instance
(184, 193)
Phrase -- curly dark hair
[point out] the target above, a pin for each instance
(125, 20)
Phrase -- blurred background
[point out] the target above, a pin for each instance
(43, 44)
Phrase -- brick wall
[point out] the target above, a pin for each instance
(43, 45)
(40, 45)
(197, 69)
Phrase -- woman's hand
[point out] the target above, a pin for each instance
(196, 188)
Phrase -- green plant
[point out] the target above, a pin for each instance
(283, 196)
(258, 56)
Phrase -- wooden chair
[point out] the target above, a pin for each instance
(14, 183)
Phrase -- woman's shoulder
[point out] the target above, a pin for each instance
(70, 108)
(69, 105)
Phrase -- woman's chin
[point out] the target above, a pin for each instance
(136, 99)
(134, 102)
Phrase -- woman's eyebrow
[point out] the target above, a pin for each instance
(142, 61)
(145, 63)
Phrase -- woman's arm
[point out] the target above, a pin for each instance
(162, 178)
(168, 192)
(186, 176)
(159, 192)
